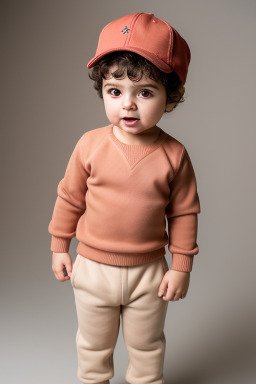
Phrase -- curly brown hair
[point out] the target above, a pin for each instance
(135, 66)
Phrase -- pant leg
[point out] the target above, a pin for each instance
(143, 317)
(97, 290)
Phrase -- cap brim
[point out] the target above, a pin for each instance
(150, 57)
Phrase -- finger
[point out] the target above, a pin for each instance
(65, 274)
(58, 275)
(69, 267)
(62, 275)
(170, 294)
(179, 296)
(162, 288)
(166, 295)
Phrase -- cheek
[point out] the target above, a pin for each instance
(109, 104)
(155, 110)
(111, 109)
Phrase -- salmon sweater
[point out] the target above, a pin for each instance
(116, 198)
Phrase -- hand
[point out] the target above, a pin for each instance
(176, 283)
(62, 266)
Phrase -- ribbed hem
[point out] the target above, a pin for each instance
(60, 245)
(182, 263)
(121, 259)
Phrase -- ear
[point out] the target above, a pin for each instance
(170, 106)
(182, 89)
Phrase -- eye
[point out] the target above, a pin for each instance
(114, 91)
(145, 93)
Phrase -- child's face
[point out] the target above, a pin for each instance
(145, 101)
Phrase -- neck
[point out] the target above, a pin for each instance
(147, 137)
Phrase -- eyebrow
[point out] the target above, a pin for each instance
(139, 86)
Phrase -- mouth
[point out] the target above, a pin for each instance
(130, 120)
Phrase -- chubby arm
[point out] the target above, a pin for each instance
(182, 241)
(70, 203)
(181, 212)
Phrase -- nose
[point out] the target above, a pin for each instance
(129, 103)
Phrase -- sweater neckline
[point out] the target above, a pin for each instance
(155, 144)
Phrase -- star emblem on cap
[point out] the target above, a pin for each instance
(125, 30)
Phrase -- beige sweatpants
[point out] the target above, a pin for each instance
(103, 294)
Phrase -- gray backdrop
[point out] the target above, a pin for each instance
(48, 102)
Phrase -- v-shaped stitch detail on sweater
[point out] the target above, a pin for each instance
(134, 153)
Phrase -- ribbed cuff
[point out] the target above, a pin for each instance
(60, 245)
(182, 263)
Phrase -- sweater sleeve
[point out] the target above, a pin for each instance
(181, 212)
(70, 203)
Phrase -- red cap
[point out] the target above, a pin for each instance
(150, 37)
